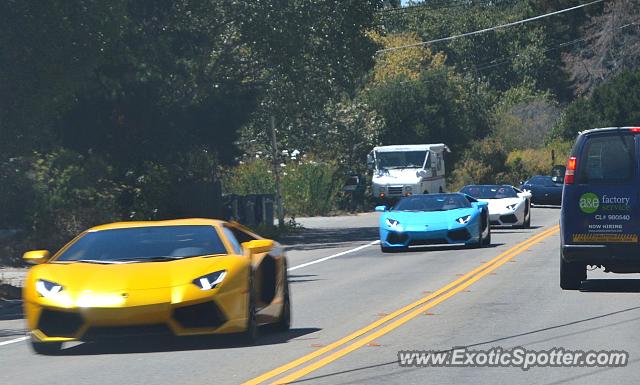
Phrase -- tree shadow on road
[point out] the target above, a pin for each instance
(12, 332)
(313, 239)
(10, 310)
(152, 344)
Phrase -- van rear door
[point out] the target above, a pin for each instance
(603, 207)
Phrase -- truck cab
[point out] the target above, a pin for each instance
(403, 170)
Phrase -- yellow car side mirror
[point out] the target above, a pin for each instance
(36, 257)
(258, 246)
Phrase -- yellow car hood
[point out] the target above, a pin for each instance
(79, 276)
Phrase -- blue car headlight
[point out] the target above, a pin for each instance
(210, 281)
(393, 223)
(464, 219)
(48, 289)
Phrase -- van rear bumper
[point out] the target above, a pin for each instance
(601, 254)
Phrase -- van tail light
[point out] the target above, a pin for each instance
(635, 130)
(571, 170)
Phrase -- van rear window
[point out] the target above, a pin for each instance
(608, 159)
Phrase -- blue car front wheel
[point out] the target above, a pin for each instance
(486, 241)
(483, 225)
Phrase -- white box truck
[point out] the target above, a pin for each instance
(402, 170)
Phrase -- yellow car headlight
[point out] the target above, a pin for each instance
(48, 289)
(210, 281)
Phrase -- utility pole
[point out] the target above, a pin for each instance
(276, 173)
(613, 35)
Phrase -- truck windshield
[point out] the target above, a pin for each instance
(400, 159)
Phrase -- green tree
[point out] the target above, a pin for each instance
(506, 57)
(253, 176)
(484, 162)
(523, 118)
(616, 103)
(308, 52)
(440, 106)
(48, 51)
(352, 128)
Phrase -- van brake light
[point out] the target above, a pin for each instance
(571, 170)
(635, 130)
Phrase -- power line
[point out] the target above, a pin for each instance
(507, 60)
(448, 38)
(435, 6)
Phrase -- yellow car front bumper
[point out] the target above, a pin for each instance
(180, 311)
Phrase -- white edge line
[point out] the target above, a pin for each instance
(20, 339)
(333, 256)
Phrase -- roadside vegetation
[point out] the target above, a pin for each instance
(126, 110)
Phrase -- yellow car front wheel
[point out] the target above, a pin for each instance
(250, 334)
(284, 323)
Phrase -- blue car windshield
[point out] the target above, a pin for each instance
(432, 202)
(145, 244)
(490, 191)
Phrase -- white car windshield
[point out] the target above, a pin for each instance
(490, 192)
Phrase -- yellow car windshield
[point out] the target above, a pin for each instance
(153, 243)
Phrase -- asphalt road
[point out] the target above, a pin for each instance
(508, 301)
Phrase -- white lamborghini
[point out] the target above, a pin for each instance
(508, 206)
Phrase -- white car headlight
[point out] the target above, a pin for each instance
(392, 223)
(210, 281)
(463, 220)
(47, 289)
(512, 207)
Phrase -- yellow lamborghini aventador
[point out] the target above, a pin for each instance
(182, 277)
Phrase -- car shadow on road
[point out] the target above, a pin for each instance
(153, 344)
(312, 239)
(300, 278)
(546, 206)
(420, 249)
(611, 286)
(509, 229)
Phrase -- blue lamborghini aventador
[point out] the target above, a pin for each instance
(432, 219)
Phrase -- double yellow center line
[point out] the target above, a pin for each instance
(399, 317)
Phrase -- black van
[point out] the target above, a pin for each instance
(600, 215)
